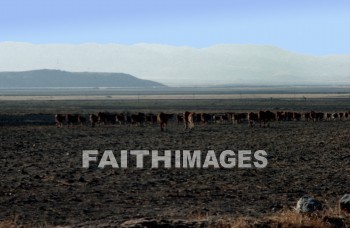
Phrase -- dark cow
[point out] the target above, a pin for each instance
(280, 116)
(151, 118)
(252, 117)
(319, 116)
(119, 118)
(288, 116)
(81, 120)
(197, 118)
(59, 119)
(138, 118)
(266, 117)
(307, 116)
(179, 119)
(72, 119)
(93, 120)
(335, 116)
(216, 118)
(238, 117)
(106, 117)
(296, 116)
(205, 118)
(163, 119)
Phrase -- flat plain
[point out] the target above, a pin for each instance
(43, 182)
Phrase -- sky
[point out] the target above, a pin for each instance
(316, 27)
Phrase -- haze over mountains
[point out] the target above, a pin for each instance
(182, 66)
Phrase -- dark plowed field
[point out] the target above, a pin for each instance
(43, 182)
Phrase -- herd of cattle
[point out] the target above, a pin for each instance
(189, 119)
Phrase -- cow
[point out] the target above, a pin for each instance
(266, 117)
(151, 119)
(335, 116)
(138, 118)
(72, 119)
(224, 118)
(81, 120)
(307, 116)
(163, 119)
(189, 119)
(185, 119)
(119, 118)
(127, 119)
(106, 117)
(59, 119)
(280, 116)
(179, 118)
(296, 116)
(205, 118)
(216, 118)
(197, 118)
(238, 117)
(252, 117)
(93, 119)
(319, 116)
(220, 117)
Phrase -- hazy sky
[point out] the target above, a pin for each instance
(320, 27)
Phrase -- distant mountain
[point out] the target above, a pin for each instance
(216, 65)
(58, 78)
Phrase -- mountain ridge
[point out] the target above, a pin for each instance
(60, 78)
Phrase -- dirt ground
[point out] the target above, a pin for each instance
(43, 182)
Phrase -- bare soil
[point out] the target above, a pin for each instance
(43, 182)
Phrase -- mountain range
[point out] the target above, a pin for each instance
(181, 65)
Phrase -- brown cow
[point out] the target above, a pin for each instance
(151, 119)
(59, 119)
(163, 119)
(185, 119)
(191, 120)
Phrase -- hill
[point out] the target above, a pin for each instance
(58, 78)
